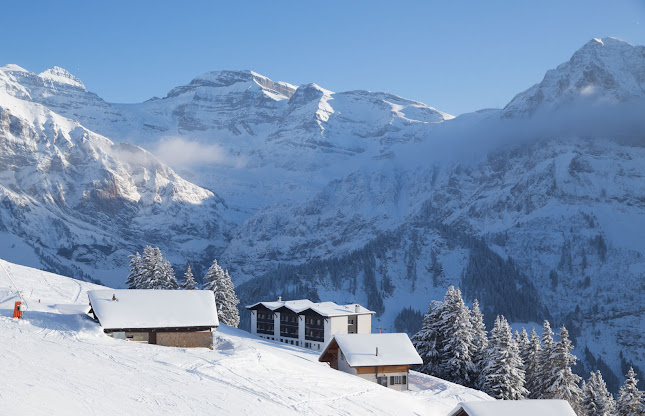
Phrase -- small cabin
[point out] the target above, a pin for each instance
(382, 358)
(514, 408)
(173, 318)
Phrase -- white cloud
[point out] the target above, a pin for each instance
(179, 152)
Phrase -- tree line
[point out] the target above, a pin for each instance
(455, 346)
(151, 270)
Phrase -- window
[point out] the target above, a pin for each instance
(351, 321)
(382, 381)
(398, 380)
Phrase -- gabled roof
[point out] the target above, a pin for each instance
(360, 349)
(515, 408)
(326, 309)
(139, 309)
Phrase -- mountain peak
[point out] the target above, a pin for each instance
(607, 69)
(228, 78)
(61, 76)
(12, 68)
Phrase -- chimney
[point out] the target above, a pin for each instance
(279, 298)
(357, 308)
(377, 351)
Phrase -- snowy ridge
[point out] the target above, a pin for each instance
(54, 357)
(603, 70)
(61, 76)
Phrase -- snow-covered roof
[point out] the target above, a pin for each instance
(135, 308)
(515, 407)
(322, 308)
(360, 349)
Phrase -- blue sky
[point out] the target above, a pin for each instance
(457, 56)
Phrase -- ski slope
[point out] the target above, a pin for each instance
(58, 363)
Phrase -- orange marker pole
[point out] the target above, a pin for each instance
(17, 313)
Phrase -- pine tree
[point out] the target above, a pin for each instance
(531, 357)
(480, 342)
(169, 279)
(596, 399)
(630, 399)
(227, 301)
(429, 339)
(524, 344)
(518, 339)
(189, 282)
(545, 364)
(213, 275)
(456, 352)
(134, 278)
(220, 282)
(150, 257)
(503, 375)
(562, 383)
(156, 272)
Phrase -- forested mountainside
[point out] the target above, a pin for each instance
(535, 209)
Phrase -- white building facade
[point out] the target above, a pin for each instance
(308, 324)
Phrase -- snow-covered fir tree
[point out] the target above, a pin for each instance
(189, 282)
(630, 399)
(156, 272)
(531, 357)
(545, 367)
(518, 339)
(456, 352)
(214, 273)
(503, 376)
(134, 278)
(226, 300)
(562, 382)
(595, 398)
(429, 339)
(523, 343)
(480, 341)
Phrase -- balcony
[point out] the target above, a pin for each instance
(265, 331)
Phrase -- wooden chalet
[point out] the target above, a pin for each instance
(174, 318)
(382, 358)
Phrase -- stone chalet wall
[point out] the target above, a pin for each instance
(201, 339)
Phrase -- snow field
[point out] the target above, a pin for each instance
(61, 364)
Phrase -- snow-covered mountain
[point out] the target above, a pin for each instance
(59, 357)
(354, 196)
(253, 139)
(557, 200)
(603, 70)
(82, 203)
